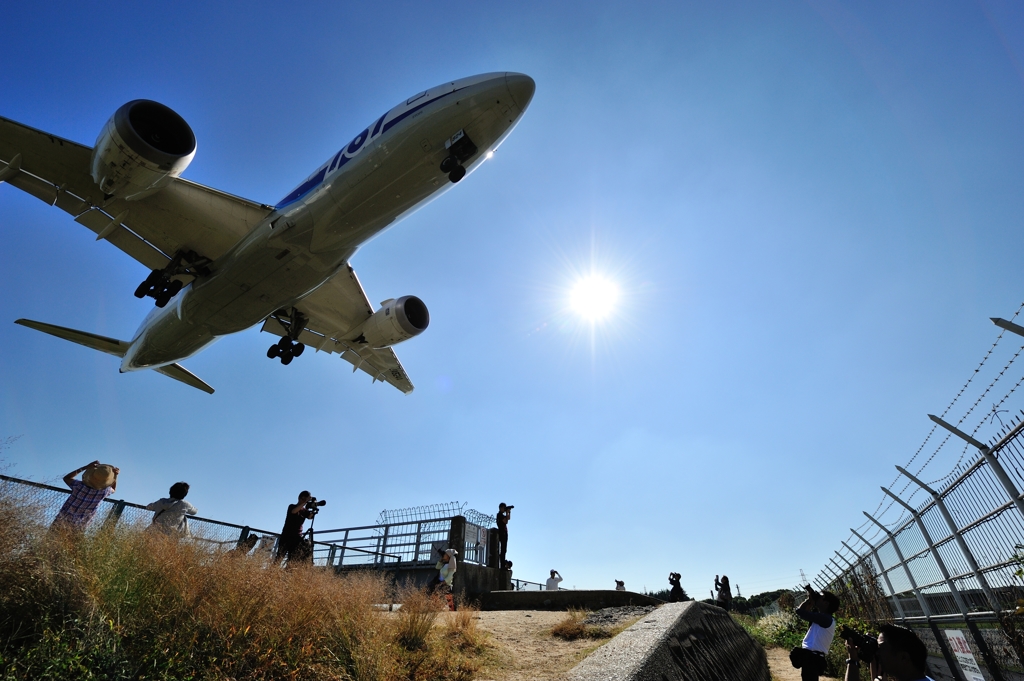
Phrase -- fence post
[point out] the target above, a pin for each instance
(841, 570)
(457, 535)
(382, 543)
(906, 569)
(867, 564)
(935, 554)
(990, 459)
(843, 558)
(242, 536)
(882, 571)
(344, 545)
(964, 549)
(419, 540)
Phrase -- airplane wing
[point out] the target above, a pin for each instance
(182, 216)
(335, 308)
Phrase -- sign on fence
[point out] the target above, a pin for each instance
(958, 646)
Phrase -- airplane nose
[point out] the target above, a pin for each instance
(521, 87)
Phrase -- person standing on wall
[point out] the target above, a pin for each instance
(504, 514)
(98, 482)
(724, 597)
(553, 581)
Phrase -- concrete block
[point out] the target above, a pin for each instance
(678, 642)
(562, 600)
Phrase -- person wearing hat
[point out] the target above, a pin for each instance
(99, 480)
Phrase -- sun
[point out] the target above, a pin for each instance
(594, 297)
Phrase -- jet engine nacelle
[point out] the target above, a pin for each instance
(142, 148)
(395, 321)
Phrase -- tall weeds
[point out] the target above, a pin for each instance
(127, 604)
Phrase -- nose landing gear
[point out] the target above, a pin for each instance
(460, 148)
(289, 347)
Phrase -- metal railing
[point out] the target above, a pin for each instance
(397, 544)
(954, 560)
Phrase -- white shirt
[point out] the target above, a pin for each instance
(170, 516)
(819, 638)
(553, 583)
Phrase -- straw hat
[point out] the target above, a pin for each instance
(99, 477)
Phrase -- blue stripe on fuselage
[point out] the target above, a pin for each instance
(340, 159)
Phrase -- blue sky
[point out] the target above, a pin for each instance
(811, 210)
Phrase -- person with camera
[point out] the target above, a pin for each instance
(171, 512)
(504, 513)
(818, 609)
(291, 545)
(898, 655)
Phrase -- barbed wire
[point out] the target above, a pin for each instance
(868, 526)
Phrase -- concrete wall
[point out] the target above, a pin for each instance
(471, 581)
(562, 600)
(678, 642)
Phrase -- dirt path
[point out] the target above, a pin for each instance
(524, 648)
(782, 669)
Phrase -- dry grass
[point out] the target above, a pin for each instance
(572, 627)
(126, 604)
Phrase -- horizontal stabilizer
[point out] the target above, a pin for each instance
(111, 346)
(115, 347)
(180, 373)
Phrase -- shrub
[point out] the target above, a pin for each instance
(573, 627)
(121, 603)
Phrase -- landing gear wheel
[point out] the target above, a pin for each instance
(162, 299)
(297, 349)
(174, 288)
(286, 359)
(284, 343)
(273, 352)
(449, 164)
(457, 173)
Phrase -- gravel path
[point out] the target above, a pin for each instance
(782, 668)
(525, 648)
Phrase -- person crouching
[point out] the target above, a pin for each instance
(445, 579)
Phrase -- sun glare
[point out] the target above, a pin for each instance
(594, 297)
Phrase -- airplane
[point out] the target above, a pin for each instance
(220, 264)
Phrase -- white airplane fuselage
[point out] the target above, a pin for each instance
(389, 170)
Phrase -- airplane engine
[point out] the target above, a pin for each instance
(395, 321)
(141, 149)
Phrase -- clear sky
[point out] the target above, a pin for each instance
(810, 209)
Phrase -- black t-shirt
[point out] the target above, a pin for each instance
(502, 520)
(293, 522)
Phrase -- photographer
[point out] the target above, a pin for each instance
(818, 609)
(291, 545)
(900, 656)
(504, 514)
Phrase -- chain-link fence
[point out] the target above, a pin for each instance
(408, 540)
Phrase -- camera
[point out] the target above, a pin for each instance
(313, 506)
(867, 646)
(510, 507)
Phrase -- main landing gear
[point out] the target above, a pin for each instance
(160, 286)
(460, 148)
(289, 347)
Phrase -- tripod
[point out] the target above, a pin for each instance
(312, 519)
